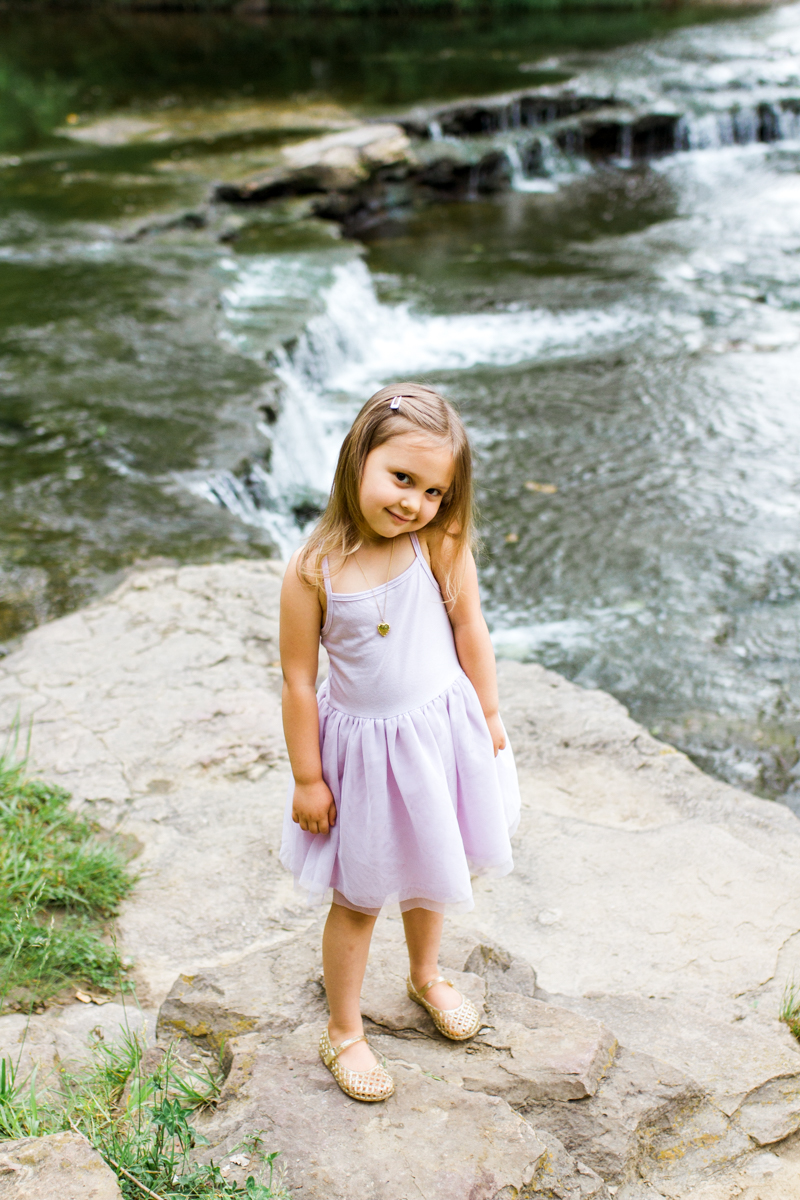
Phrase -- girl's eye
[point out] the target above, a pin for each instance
(433, 492)
(402, 477)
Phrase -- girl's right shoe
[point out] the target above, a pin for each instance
(376, 1084)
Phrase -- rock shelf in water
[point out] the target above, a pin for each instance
(630, 970)
(363, 174)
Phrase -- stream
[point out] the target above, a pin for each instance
(623, 337)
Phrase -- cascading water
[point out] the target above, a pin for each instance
(349, 350)
(641, 104)
(521, 182)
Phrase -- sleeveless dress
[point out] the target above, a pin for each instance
(422, 802)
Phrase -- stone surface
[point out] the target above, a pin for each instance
(611, 1130)
(649, 903)
(501, 970)
(62, 1166)
(549, 1054)
(159, 710)
(64, 1036)
(431, 1139)
(772, 1111)
(727, 1049)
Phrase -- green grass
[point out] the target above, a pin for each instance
(790, 1008)
(139, 1121)
(58, 886)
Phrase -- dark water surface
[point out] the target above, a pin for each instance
(624, 339)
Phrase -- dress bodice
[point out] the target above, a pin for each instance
(381, 677)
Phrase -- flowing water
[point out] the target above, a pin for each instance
(623, 337)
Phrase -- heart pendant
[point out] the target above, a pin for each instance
(383, 629)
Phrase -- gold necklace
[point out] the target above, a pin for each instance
(383, 625)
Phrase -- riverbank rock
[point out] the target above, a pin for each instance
(431, 1139)
(62, 1166)
(631, 969)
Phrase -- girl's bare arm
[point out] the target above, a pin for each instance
(473, 644)
(301, 618)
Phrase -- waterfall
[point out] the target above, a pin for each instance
(349, 349)
(744, 125)
(519, 181)
(554, 165)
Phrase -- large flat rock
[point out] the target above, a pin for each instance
(159, 710)
(62, 1166)
(431, 1139)
(650, 905)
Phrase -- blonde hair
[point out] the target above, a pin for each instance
(341, 530)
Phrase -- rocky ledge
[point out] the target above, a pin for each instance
(630, 971)
(361, 175)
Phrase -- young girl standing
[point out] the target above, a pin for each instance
(403, 781)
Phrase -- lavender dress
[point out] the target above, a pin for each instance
(422, 801)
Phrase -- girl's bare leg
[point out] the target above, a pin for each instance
(423, 937)
(345, 947)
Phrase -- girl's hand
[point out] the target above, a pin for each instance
(313, 807)
(497, 732)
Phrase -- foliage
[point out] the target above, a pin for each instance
(790, 1008)
(391, 7)
(138, 1121)
(57, 885)
(19, 1111)
(95, 58)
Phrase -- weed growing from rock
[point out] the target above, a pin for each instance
(139, 1119)
(19, 1111)
(58, 884)
(790, 1008)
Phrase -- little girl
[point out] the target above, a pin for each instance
(403, 780)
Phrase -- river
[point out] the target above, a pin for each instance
(623, 337)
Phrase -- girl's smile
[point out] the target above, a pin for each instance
(404, 482)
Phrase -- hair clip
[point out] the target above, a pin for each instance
(395, 404)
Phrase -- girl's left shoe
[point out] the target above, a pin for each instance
(458, 1024)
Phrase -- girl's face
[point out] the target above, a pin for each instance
(403, 483)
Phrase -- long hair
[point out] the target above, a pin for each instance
(341, 530)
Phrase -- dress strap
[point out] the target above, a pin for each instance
(423, 561)
(326, 575)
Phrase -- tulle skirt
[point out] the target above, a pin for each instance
(422, 804)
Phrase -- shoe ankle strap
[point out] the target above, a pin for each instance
(426, 987)
(337, 1050)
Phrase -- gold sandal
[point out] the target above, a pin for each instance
(458, 1024)
(375, 1084)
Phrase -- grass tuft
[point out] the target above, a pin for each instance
(790, 1008)
(58, 884)
(139, 1121)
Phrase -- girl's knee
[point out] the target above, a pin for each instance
(349, 916)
